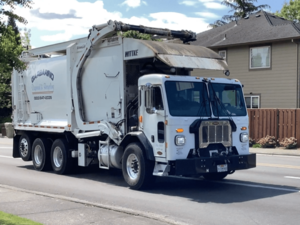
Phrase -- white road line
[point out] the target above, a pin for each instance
(289, 177)
(242, 184)
(260, 186)
(4, 156)
(283, 156)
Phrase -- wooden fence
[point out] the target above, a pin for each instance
(280, 123)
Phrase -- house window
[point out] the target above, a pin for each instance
(260, 57)
(252, 102)
(223, 54)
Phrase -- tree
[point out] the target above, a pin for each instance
(10, 46)
(25, 39)
(9, 59)
(290, 11)
(11, 22)
(137, 35)
(11, 4)
(241, 9)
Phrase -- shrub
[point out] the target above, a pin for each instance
(251, 142)
(5, 119)
(267, 142)
(289, 143)
(256, 146)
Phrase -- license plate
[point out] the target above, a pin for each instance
(222, 168)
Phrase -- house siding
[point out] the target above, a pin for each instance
(276, 86)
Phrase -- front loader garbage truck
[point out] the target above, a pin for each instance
(129, 104)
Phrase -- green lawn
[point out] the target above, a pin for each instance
(8, 219)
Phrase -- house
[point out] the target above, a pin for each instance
(263, 52)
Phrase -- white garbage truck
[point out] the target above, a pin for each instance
(129, 104)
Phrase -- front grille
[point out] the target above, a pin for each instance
(212, 132)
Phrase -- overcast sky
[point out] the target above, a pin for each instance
(53, 21)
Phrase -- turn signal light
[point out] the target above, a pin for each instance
(141, 119)
(244, 128)
(179, 130)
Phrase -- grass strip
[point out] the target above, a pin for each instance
(8, 219)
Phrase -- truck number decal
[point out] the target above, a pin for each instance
(131, 53)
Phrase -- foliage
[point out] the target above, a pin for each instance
(137, 35)
(289, 143)
(267, 142)
(25, 39)
(9, 219)
(9, 53)
(241, 9)
(8, 7)
(251, 142)
(5, 119)
(290, 11)
(217, 23)
(12, 22)
(10, 46)
(256, 146)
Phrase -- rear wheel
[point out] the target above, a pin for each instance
(25, 143)
(215, 176)
(41, 154)
(60, 161)
(137, 170)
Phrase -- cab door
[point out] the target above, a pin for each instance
(152, 118)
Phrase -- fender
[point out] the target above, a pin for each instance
(130, 137)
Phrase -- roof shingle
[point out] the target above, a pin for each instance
(259, 27)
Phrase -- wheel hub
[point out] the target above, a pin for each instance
(38, 155)
(57, 157)
(24, 147)
(132, 166)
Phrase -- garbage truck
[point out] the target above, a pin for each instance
(129, 104)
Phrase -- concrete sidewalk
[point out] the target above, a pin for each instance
(276, 151)
(55, 210)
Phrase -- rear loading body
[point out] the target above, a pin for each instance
(132, 105)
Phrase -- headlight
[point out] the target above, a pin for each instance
(244, 137)
(179, 140)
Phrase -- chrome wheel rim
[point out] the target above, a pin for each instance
(57, 157)
(132, 166)
(38, 155)
(24, 147)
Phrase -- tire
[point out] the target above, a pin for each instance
(215, 176)
(41, 154)
(137, 170)
(25, 149)
(61, 163)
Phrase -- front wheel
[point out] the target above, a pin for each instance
(137, 170)
(215, 176)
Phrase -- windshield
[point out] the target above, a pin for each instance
(227, 99)
(187, 98)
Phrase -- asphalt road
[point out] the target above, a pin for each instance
(268, 194)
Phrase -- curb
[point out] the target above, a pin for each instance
(132, 212)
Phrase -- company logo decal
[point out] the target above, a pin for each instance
(42, 73)
(42, 86)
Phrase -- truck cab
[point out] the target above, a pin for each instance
(191, 119)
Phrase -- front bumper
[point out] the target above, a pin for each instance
(209, 164)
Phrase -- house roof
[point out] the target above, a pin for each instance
(259, 27)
